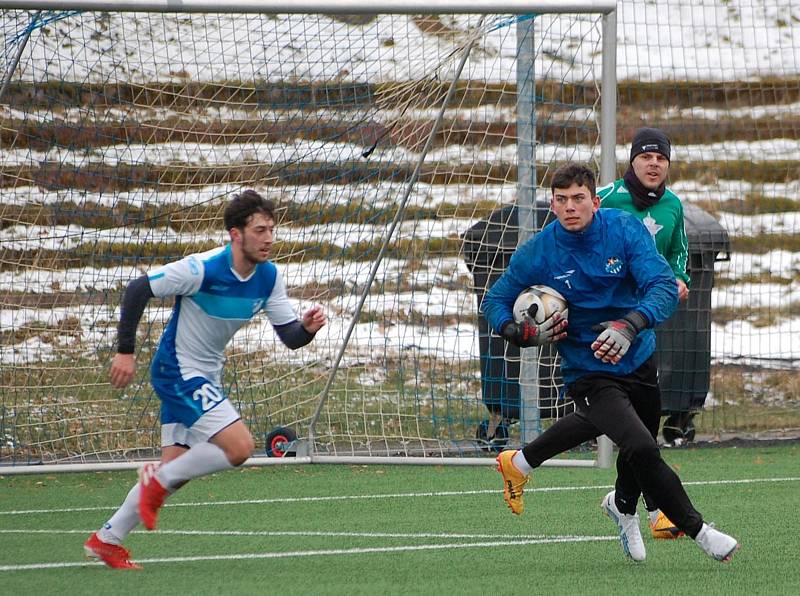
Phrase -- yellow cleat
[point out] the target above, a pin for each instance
(664, 529)
(514, 482)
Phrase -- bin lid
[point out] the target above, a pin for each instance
(498, 233)
(703, 232)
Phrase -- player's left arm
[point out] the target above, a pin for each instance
(314, 319)
(678, 255)
(659, 296)
(293, 332)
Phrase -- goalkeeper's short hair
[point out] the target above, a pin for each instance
(574, 173)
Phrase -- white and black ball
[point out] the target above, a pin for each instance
(539, 303)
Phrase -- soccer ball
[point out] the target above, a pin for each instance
(539, 303)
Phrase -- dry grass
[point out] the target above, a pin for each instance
(751, 401)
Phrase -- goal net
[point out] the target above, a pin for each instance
(389, 145)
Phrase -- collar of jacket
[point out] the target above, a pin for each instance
(589, 239)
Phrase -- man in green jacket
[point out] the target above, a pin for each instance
(642, 191)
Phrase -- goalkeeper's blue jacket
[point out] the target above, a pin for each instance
(605, 271)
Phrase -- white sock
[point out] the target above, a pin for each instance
(653, 515)
(124, 520)
(200, 460)
(703, 529)
(520, 463)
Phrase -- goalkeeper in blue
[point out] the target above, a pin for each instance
(618, 287)
(216, 293)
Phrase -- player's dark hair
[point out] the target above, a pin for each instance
(242, 207)
(573, 173)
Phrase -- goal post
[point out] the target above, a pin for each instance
(387, 135)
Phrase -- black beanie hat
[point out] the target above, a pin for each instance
(650, 140)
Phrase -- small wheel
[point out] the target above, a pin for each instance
(280, 441)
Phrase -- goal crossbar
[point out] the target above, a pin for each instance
(322, 6)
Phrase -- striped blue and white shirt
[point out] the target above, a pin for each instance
(212, 303)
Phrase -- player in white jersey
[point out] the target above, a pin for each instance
(216, 293)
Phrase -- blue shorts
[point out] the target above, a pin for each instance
(192, 410)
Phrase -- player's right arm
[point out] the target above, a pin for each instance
(182, 277)
(134, 301)
(498, 301)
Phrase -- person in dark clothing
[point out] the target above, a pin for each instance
(618, 287)
(643, 192)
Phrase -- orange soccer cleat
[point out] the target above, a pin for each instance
(514, 481)
(663, 529)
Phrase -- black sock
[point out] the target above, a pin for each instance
(625, 504)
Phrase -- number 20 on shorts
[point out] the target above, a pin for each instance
(208, 395)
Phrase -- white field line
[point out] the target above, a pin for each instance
(339, 551)
(299, 533)
(389, 496)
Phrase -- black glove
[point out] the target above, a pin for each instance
(617, 336)
(528, 333)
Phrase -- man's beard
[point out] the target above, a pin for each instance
(254, 255)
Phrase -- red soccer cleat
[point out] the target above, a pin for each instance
(112, 555)
(151, 495)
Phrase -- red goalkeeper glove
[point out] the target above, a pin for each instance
(529, 333)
